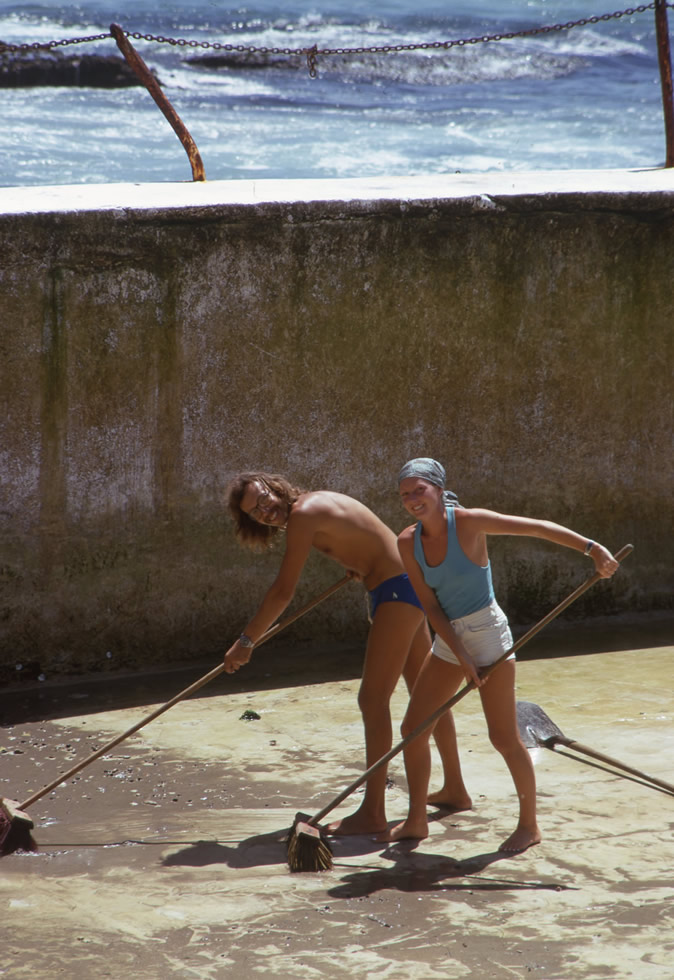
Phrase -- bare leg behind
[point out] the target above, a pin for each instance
(500, 709)
(392, 632)
(436, 683)
(453, 795)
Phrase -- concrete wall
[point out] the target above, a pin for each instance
(155, 340)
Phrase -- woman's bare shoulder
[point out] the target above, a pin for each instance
(407, 534)
(476, 515)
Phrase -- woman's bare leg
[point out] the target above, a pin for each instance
(500, 709)
(437, 681)
(453, 795)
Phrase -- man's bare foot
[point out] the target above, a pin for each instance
(448, 801)
(520, 840)
(408, 830)
(356, 823)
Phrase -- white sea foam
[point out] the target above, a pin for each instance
(515, 104)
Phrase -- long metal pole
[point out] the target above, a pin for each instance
(153, 87)
(665, 62)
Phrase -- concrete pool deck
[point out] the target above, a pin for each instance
(167, 857)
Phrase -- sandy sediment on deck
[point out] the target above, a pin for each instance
(167, 858)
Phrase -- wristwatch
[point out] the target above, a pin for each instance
(246, 641)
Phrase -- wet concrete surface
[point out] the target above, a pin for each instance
(167, 858)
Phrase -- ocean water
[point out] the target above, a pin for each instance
(586, 98)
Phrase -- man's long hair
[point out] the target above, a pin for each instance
(251, 534)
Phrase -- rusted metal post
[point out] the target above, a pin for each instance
(665, 61)
(152, 85)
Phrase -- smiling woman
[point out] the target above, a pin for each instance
(445, 555)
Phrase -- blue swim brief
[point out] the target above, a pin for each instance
(396, 589)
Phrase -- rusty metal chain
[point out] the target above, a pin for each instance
(312, 54)
(48, 45)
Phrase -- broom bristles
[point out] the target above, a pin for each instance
(307, 848)
(15, 829)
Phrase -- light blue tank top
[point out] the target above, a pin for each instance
(461, 586)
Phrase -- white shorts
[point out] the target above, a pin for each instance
(485, 635)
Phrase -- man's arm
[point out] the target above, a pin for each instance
(299, 537)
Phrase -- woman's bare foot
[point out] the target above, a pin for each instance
(357, 823)
(408, 830)
(448, 801)
(520, 840)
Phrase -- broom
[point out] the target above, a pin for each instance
(16, 825)
(307, 847)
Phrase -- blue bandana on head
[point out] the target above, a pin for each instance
(433, 472)
(425, 468)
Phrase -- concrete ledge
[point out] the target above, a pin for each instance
(481, 189)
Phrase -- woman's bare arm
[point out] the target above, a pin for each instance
(434, 612)
(476, 521)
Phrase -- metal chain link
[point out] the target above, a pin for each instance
(312, 54)
(47, 45)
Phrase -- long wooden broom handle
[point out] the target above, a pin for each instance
(623, 553)
(571, 743)
(183, 694)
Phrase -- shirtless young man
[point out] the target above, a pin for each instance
(261, 505)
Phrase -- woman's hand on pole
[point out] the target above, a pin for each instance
(472, 674)
(604, 562)
(466, 661)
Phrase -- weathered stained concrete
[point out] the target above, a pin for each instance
(167, 858)
(158, 338)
